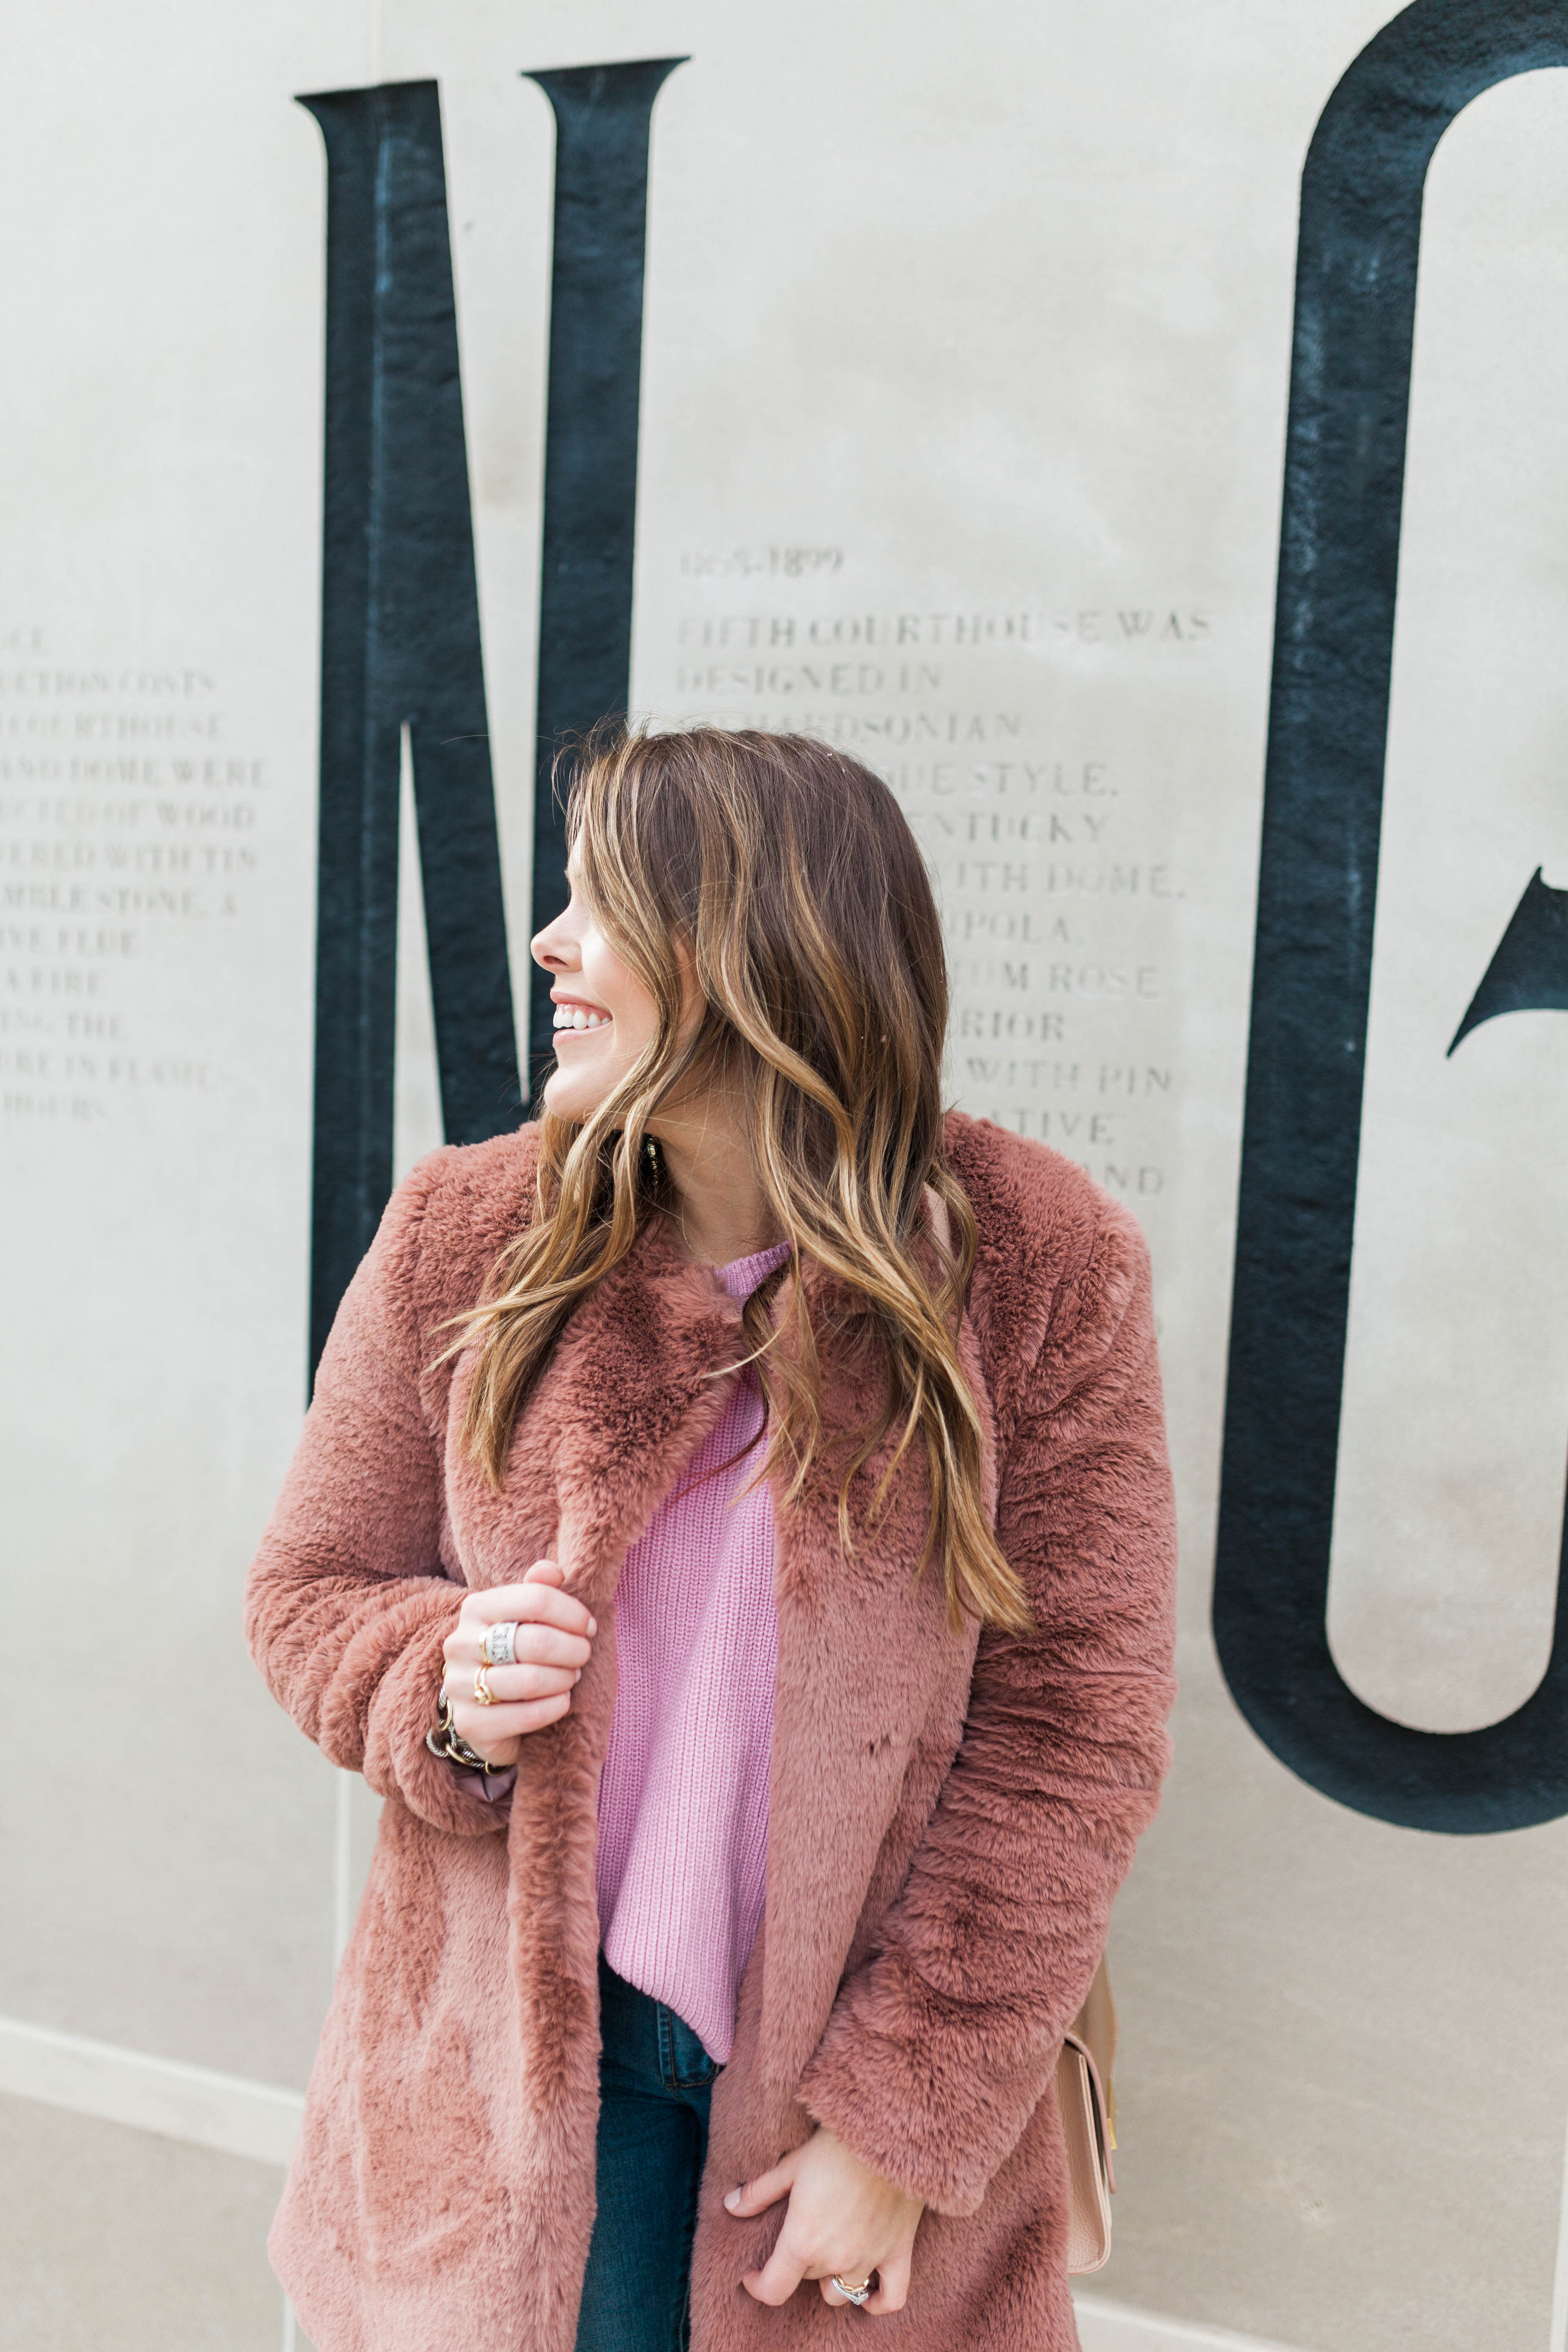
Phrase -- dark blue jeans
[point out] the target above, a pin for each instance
(655, 2083)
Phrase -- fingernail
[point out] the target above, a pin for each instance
(733, 2199)
(593, 1625)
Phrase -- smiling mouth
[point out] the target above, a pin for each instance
(579, 1017)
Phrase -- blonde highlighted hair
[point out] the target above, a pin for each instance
(789, 876)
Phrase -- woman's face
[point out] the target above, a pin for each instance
(605, 1018)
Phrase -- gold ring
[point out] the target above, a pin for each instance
(482, 1691)
(856, 2294)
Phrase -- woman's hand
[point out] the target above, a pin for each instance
(552, 1646)
(842, 2217)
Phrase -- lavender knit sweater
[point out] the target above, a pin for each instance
(682, 1798)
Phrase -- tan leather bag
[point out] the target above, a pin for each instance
(1084, 2095)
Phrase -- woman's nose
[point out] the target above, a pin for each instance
(546, 951)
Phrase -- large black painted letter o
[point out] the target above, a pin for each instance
(1344, 467)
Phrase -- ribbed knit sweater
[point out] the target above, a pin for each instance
(682, 1796)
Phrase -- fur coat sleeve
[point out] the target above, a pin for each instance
(348, 1603)
(940, 2047)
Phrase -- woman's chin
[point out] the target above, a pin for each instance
(572, 1094)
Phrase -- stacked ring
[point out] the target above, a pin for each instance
(856, 2294)
(482, 1691)
(501, 1644)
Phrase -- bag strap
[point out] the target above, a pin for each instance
(1094, 2029)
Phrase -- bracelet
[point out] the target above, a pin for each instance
(447, 1741)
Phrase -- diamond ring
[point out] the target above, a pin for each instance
(501, 1645)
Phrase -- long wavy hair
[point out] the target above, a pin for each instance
(789, 877)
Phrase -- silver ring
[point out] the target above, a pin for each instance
(501, 1644)
(856, 2294)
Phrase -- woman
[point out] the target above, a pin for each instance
(798, 1454)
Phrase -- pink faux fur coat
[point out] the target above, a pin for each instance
(949, 1818)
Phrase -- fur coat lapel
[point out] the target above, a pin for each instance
(869, 1670)
(629, 1395)
(867, 1664)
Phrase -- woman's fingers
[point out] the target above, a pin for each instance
(782, 2273)
(892, 2284)
(755, 2196)
(552, 1645)
(553, 1628)
(533, 1601)
(537, 1645)
(487, 1728)
(520, 1686)
(547, 1660)
(779, 2277)
(533, 1597)
(843, 2219)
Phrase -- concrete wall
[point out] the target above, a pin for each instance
(966, 351)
